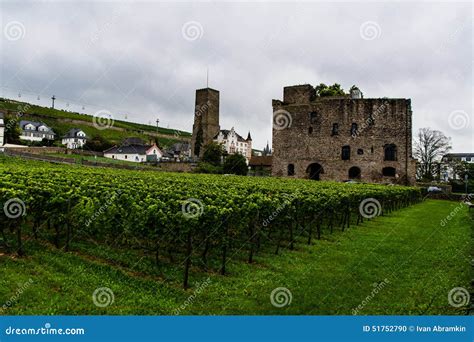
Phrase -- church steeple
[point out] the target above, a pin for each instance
(267, 150)
(249, 138)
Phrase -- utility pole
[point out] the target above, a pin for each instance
(157, 124)
(53, 98)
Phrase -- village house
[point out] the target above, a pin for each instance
(134, 150)
(235, 143)
(35, 131)
(179, 151)
(448, 162)
(74, 138)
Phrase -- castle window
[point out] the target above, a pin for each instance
(313, 117)
(372, 149)
(346, 153)
(335, 129)
(388, 172)
(125, 156)
(354, 129)
(390, 152)
(310, 130)
(291, 169)
(360, 151)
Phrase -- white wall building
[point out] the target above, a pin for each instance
(134, 153)
(74, 138)
(2, 130)
(448, 160)
(234, 143)
(35, 131)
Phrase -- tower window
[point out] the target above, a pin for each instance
(310, 130)
(354, 129)
(390, 152)
(335, 129)
(346, 153)
(372, 149)
(360, 151)
(313, 117)
(291, 169)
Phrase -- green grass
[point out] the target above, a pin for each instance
(420, 259)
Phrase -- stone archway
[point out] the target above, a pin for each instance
(314, 171)
(354, 172)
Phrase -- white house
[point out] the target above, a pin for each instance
(234, 143)
(35, 131)
(448, 160)
(2, 130)
(74, 138)
(134, 151)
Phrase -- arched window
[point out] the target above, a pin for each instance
(346, 152)
(310, 130)
(291, 169)
(390, 152)
(389, 172)
(354, 172)
(354, 129)
(335, 129)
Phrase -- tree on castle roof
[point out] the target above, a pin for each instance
(323, 90)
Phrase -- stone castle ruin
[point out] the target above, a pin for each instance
(342, 137)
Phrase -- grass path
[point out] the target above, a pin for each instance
(404, 263)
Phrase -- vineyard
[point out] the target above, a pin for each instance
(180, 219)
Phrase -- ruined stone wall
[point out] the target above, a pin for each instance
(302, 135)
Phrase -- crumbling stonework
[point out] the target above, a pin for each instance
(341, 138)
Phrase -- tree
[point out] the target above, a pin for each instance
(212, 153)
(12, 130)
(97, 143)
(198, 142)
(323, 90)
(236, 164)
(430, 146)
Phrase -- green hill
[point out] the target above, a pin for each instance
(61, 121)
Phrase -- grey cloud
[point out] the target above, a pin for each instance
(132, 57)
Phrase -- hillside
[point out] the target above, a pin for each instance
(61, 121)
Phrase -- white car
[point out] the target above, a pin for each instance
(434, 189)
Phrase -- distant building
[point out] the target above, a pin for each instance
(74, 138)
(2, 130)
(267, 151)
(180, 151)
(134, 150)
(206, 128)
(235, 143)
(261, 165)
(449, 160)
(206, 120)
(35, 131)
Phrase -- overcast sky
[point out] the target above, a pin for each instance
(145, 60)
